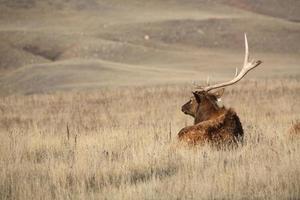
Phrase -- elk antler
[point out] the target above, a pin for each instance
(248, 66)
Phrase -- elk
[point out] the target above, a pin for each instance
(294, 130)
(215, 124)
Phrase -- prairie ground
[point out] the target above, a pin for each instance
(91, 91)
(120, 143)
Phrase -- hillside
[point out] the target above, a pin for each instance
(50, 45)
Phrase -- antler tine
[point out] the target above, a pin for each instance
(248, 66)
(207, 81)
(246, 50)
(236, 72)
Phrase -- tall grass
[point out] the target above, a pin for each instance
(118, 143)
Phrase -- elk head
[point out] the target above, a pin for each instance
(203, 104)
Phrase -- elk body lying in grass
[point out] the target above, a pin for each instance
(212, 123)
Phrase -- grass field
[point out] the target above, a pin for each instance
(119, 143)
(91, 92)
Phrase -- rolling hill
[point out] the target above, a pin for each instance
(75, 44)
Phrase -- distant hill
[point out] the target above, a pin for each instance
(49, 45)
(287, 9)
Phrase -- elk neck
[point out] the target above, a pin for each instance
(210, 110)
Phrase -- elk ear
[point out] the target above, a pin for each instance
(219, 93)
(197, 97)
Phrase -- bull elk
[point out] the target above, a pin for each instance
(215, 124)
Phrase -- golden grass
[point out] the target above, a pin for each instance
(121, 145)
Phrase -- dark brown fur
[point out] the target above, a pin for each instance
(294, 130)
(213, 124)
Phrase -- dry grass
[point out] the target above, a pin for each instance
(119, 145)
